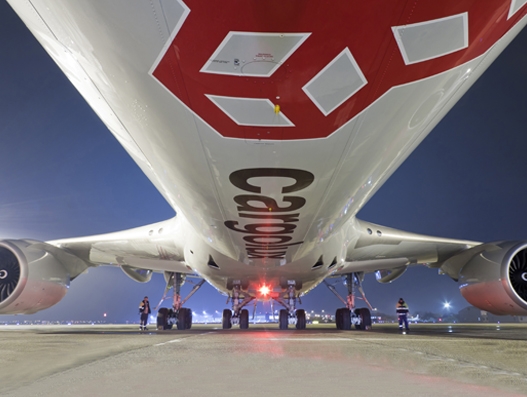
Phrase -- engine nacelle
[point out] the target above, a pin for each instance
(31, 279)
(495, 279)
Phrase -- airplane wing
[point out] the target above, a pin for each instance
(382, 248)
(156, 247)
(153, 247)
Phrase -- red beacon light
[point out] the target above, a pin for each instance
(264, 290)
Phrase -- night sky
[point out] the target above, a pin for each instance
(63, 174)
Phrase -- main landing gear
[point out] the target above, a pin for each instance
(238, 315)
(290, 315)
(178, 315)
(349, 316)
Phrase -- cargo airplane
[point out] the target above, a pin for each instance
(267, 126)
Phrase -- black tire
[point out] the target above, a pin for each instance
(170, 314)
(188, 318)
(283, 319)
(365, 316)
(226, 319)
(182, 319)
(244, 319)
(162, 317)
(300, 319)
(346, 319)
(338, 318)
(357, 313)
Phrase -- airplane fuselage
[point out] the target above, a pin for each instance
(268, 125)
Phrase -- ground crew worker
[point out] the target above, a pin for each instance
(402, 314)
(144, 311)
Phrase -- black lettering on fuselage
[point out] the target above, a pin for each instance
(269, 235)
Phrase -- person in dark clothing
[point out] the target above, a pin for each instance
(144, 311)
(402, 313)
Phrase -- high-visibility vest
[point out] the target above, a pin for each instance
(402, 309)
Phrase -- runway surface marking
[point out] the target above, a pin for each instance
(181, 340)
(166, 343)
(406, 339)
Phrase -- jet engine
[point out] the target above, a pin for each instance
(31, 278)
(495, 278)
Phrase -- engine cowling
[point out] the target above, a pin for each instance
(495, 279)
(31, 279)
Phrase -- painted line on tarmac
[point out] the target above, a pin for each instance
(181, 340)
(341, 339)
(166, 343)
(312, 339)
(406, 338)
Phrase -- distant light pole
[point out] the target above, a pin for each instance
(446, 307)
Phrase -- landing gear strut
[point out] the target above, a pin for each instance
(349, 316)
(238, 315)
(290, 315)
(178, 315)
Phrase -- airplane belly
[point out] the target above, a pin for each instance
(264, 123)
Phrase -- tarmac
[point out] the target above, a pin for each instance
(118, 360)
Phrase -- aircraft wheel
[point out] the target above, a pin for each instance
(182, 319)
(300, 319)
(188, 318)
(283, 319)
(338, 318)
(365, 316)
(162, 317)
(226, 319)
(346, 319)
(244, 319)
